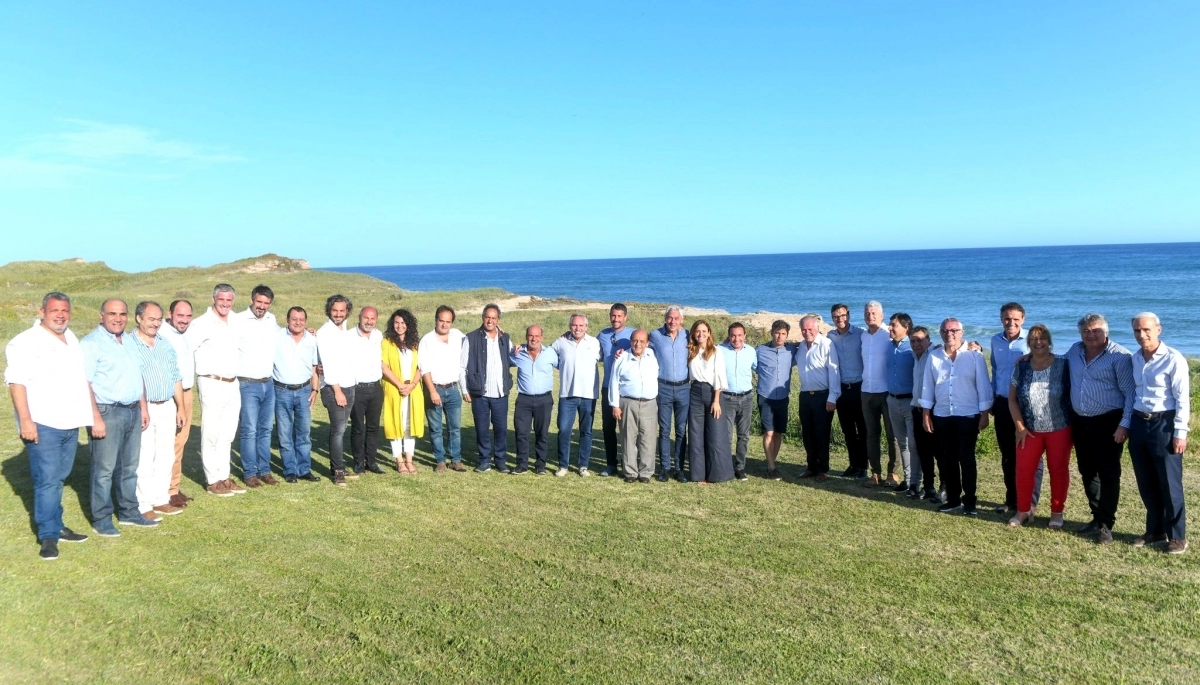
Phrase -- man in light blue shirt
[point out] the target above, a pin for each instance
(670, 345)
(900, 363)
(738, 399)
(113, 368)
(847, 339)
(535, 383)
(1007, 347)
(612, 340)
(774, 366)
(297, 386)
(579, 383)
(633, 393)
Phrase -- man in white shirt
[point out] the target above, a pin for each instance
(956, 395)
(876, 348)
(633, 393)
(439, 358)
(366, 343)
(52, 400)
(579, 384)
(1158, 434)
(338, 382)
(178, 319)
(820, 387)
(297, 385)
(257, 331)
(214, 344)
(486, 362)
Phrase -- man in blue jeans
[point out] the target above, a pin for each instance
(486, 364)
(579, 382)
(113, 369)
(294, 375)
(51, 397)
(670, 346)
(440, 357)
(257, 332)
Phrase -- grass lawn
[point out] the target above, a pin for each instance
(468, 577)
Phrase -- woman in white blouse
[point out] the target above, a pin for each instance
(708, 433)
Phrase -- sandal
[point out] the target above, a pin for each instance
(1056, 521)
(1021, 519)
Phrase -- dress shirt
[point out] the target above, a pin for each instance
(775, 370)
(739, 367)
(183, 354)
(336, 353)
(214, 345)
(876, 348)
(711, 370)
(672, 355)
(849, 351)
(160, 371)
(367, 354)
(256, 343)
(535, 376)
(636, 377)
(900, 363)
(610, 342)
(818, 367)
(577, 366)
(918, 375)
(493, 383)
(1162, 384)
(956, 387)
(52, 373)
(1104, 384)
(443, 361)
(1005, 354)
(294, 361)
(113, 368)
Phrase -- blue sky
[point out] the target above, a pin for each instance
(151, 134)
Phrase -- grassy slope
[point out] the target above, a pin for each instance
(468, 577)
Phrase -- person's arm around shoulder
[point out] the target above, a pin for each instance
(464, 359)
(1180, 390)
(614, 392)
(983, 386)
(1014, 409)
(927, 395)
(834, 379)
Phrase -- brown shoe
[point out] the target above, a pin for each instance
(1104, 535)
(339, 477)
(151, 516)
(1177, 546)
(184, 497)
(220, 489)
(253, 482)
(1148, 539)
(821, 478)
(893, 479)
(168, 510)
(457, 466)
(873, 480)
(269, 480)
(234, 487)
(807, 474)
(177, 501)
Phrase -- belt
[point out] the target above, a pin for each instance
(851, 386)
(445, 385)
(901, 396)
(638, 399)
(218, 378)
(736, 394)
(540, 394)
(367, 385)
(286, 386)
(122, 405)
(1150, 416)
(158, 402)
(675, 383)
(816, 392)
(251, 380)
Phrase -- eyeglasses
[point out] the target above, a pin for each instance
(952, 331)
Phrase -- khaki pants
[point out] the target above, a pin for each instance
(181, 438)
(639, 431)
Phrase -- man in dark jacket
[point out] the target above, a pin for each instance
(488, 383)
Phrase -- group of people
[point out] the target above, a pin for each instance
(673, 390)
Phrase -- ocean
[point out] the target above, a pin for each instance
(1056, 285)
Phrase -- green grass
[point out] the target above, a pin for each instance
(481, 578)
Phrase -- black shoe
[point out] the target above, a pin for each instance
(520, 471)
(502, 469)
(1003, 509)
(375, 469)
(860, 474)
(291, 479)
(49, 549)
(483, 468)
(68, 535)
(850, 472)
(970, 511)
(914, 494)
(541, 471)
(740, 475)
(903, 487)
(1090, 528)
(682, 477)
(310, 477)
(933, 499)
(662, 478)
(949, 508)
(630, 479)
(774, 474)
(643, 479)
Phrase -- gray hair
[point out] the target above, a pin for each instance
(809, 317)
(1145, 315)
(874, 304)
(577, 315)
(223, 288)
(55, 295)
(948, 320)
(1091, 319)
(673, 308)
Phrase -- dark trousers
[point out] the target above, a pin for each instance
(1159, 475)
(957, 436)
(608, 425)
(364, 424)
(115, 459)
(738, 412)
(1099, 460)
(708, 438)
(927, 449)
(1006, 438)
(816, 423)
(492, 444)
(673, 401)
(875, 414)
(532, 411)
(854, 426)
(338, 418)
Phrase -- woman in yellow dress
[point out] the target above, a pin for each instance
(403, 398)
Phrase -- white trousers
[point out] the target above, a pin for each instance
(220, 407)
(158, 457)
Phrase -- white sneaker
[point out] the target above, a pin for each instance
(560, 473)
(605, 473)
(584, 473)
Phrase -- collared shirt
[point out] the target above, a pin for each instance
(610, 342)
(160, 371)
(183, 354)
(52, 373)
(818, 367)
(577, 372)
(775, 370)
(1005, 354)
(294, 360)
(876, 348)
(367, 355)
(672, 354)
(635, 377)
(1104, 384)
(535, 376)
(214, 345)
(336, 353)
(256, 343)
(739, 367)
(113, 368)
(1162, 384)
(900, 363)
(443, 361)
(956, 387)
(918, 375)
(493, 382)
(849, 350)
(711, 370)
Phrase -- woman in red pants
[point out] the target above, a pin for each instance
(1040, 402)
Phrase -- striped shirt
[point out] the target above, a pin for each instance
(1104, 384)
(160, 371)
